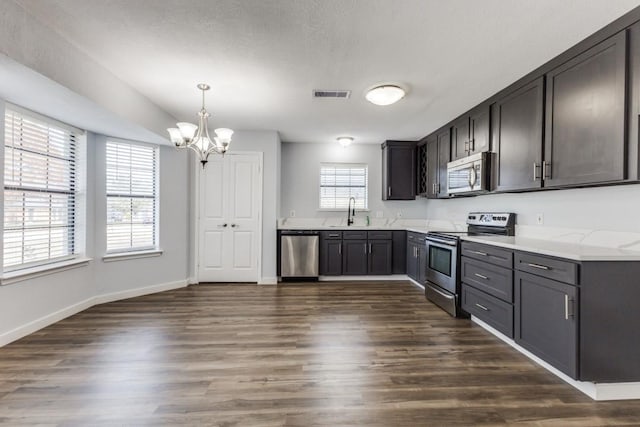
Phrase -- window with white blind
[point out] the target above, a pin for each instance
(40, 191)
(341, 181)
(131, 197)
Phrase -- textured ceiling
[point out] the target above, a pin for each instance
(263, 58)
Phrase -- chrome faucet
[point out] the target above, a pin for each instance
(351, 212)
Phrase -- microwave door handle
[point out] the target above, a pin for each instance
(473, 177)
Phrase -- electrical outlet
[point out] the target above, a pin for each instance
(539, 219)
(292, 213)
(399, 214)
(379, 214)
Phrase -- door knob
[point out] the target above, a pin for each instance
(222, 225)
(234, 225)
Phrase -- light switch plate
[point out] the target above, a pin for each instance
(540, 219)
(292, 213)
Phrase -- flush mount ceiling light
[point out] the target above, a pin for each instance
(385, 94)
(344, 141)
(188, 135)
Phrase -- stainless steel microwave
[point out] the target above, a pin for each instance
(469, 175)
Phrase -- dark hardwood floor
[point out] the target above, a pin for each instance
(332, 354)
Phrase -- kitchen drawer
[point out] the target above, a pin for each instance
(354, 234)
(494, 280)
(416, 237)
(331, 235)
(491, 254)
(380, 235)
(489, 309)
(551, 268)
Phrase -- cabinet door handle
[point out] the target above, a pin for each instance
(472, 145)
(234, 225)
(546, 169)
(478, 253)
(369, 247)
(566, 307)
(340, 250)
(333, 235)
(415, 250)
(222, 225)
(536, 166)
(389, 191)
(482, 307)
(541, 267)
(481, 276)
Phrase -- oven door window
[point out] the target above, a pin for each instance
(440, 260)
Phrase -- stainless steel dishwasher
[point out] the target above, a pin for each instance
(299, 254)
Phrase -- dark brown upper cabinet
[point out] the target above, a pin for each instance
(438, 155)
(399, 170)
(585, 139)
(470, 133)
(518, 123)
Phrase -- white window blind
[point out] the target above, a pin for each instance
(39, 191)
(339, 182)
(131, 197)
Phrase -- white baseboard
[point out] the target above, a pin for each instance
(268, 281)
(596, 391)
(49, 319)
(362, 278)
(192, 280)
(44, 321)
(137, 292)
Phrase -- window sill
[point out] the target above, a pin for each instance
(121, 256)
(342, 210)
(42, 270)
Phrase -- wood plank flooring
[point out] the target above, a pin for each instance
(327, 354)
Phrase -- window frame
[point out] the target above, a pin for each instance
(139, 251)
(77, 192)
(349, 165)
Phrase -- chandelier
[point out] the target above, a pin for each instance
(188, 135)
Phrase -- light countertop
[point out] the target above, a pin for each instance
(572, 251)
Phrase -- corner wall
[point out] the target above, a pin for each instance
(301, 180)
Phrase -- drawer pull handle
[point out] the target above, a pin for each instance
(478, 253)
(541, 267)
(482, 307)
(481, 276)
(334, 235)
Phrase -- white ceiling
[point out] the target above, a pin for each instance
(263, 58)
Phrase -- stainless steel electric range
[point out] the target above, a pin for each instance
(443, 257)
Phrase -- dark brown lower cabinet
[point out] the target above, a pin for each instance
(331, 258)
(380, 257)
(354, 257)
(546, 320)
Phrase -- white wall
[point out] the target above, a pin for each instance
(614, 208)
(301, 178)
(122, 275)
(268, 143)
(36, 47)
(36, 301)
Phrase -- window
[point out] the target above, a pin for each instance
(341, 181)
(40, 191)
(131, 197)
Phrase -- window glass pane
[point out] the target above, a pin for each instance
(131, 196)
(39, 191)
(340, 182)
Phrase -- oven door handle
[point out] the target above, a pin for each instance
(444, 242)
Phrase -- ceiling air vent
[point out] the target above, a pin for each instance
(340, 94)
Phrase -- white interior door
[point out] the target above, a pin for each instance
(230, 211)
